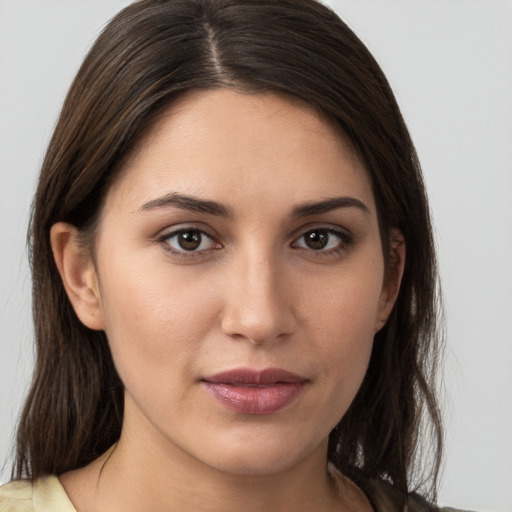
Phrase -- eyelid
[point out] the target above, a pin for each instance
(172, 231)
(332, 228)
(346, 239)
(180, 227)
(345, 236)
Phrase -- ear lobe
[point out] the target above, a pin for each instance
(393, 277)
(78, 274)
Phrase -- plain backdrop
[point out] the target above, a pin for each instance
(450, 65)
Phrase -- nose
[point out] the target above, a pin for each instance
(258, 305)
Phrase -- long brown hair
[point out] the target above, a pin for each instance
(151, 52)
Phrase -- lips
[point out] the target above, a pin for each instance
(249, 391)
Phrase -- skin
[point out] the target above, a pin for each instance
(253, 294)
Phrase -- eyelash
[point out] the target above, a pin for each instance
(183, 253)
(345, 242)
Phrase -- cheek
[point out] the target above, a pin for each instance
(155, 323)
(347, 304)
(342, 319)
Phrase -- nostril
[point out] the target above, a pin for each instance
(257, 307)
(258, 334)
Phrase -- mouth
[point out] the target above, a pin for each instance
(257, 392)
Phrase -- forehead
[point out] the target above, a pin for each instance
(234, 147)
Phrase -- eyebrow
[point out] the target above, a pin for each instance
(188, 203)
(198, 205)
(326, 205)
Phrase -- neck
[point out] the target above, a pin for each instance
(151, 479)
(133, 478)
(146, 471)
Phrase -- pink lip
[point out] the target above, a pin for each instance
(250, 391)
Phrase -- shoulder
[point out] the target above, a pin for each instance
(45, 494)
(16, 496)
(385, 498)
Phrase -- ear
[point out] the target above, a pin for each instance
(78, 274)
(393, 277)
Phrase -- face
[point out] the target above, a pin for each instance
(239, 277)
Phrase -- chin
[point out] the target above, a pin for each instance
(253, 465)
(261, 454)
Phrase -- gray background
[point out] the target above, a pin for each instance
(450, 64)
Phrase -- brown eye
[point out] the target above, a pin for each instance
(323, 240)
(316, 239)
(189, 240)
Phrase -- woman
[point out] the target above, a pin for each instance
(233, 274)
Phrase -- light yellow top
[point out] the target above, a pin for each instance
(45, 495)
(48, 495)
